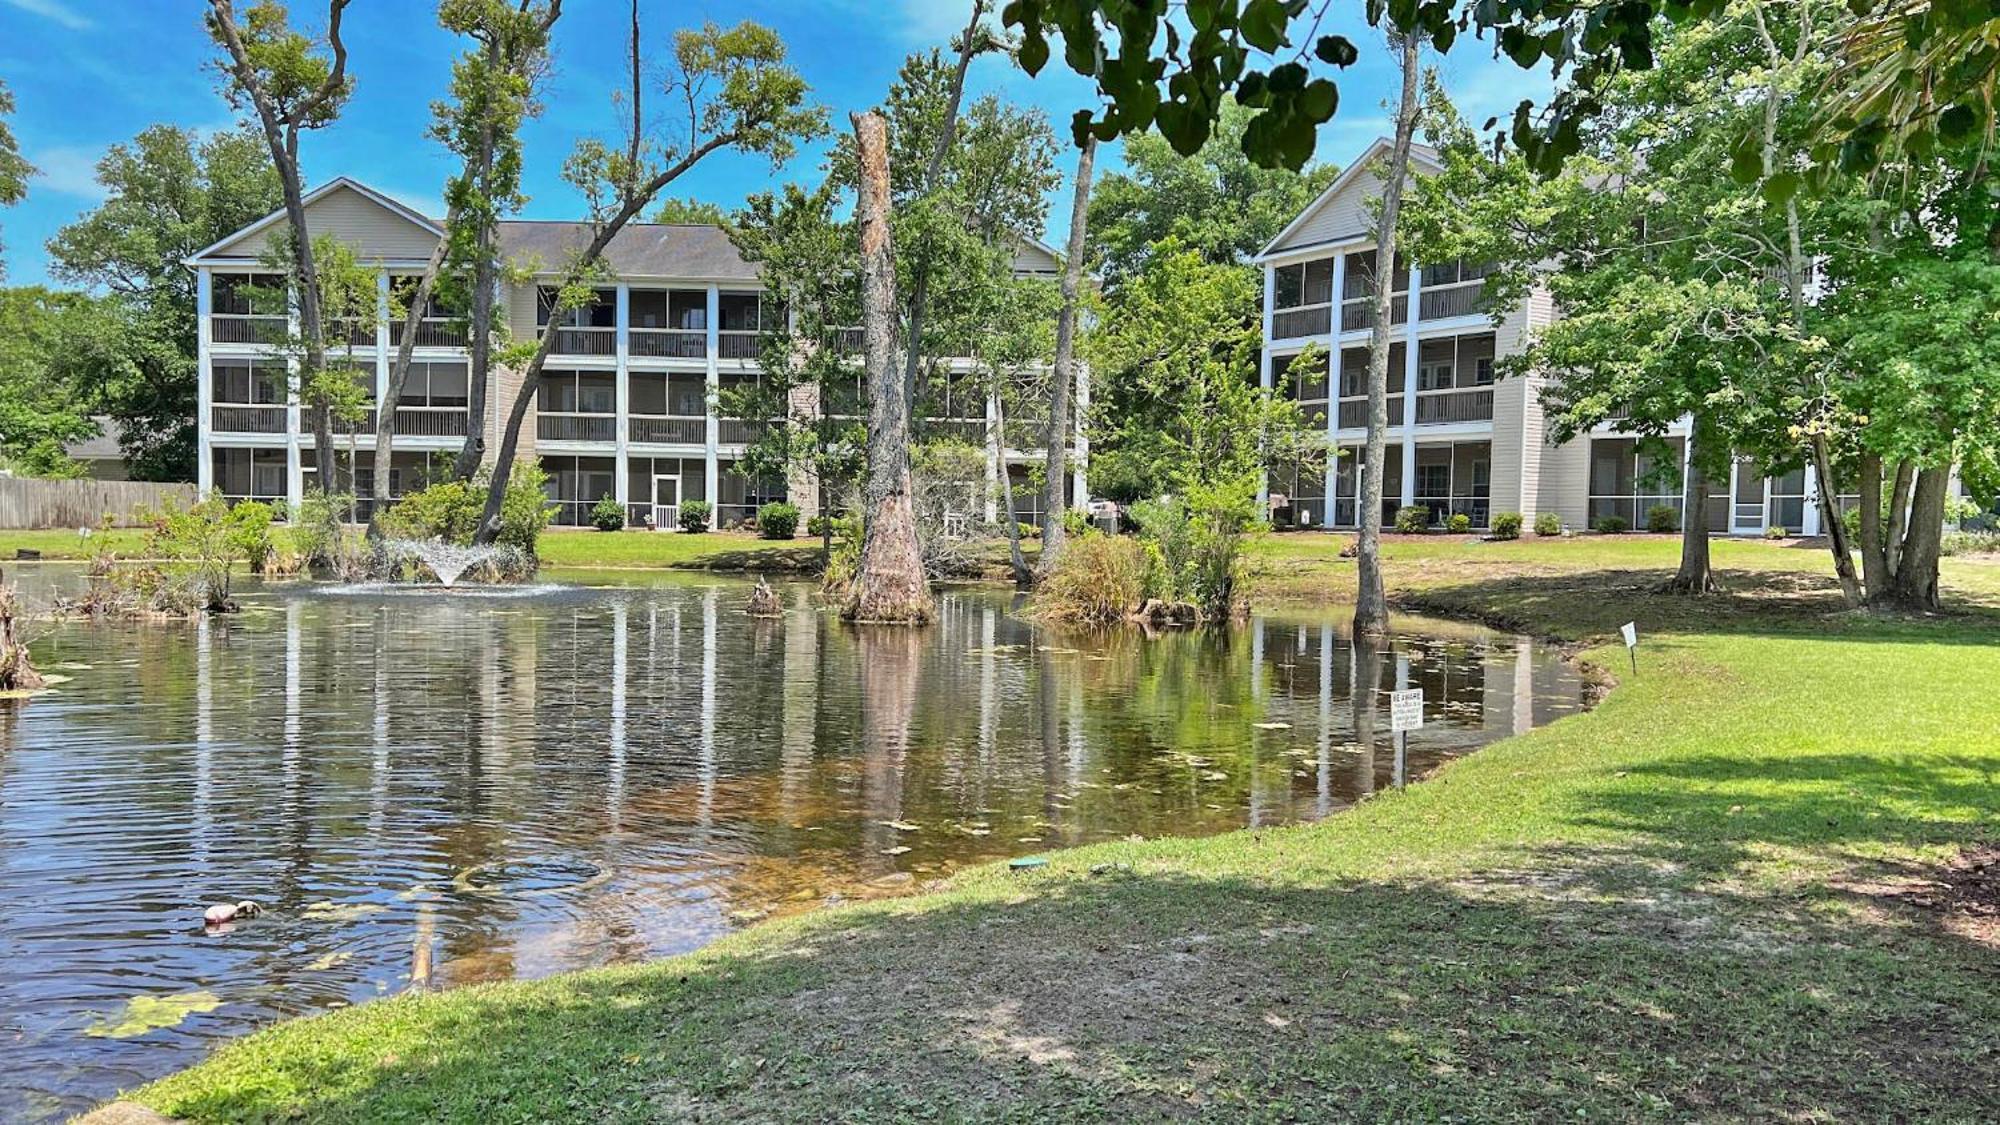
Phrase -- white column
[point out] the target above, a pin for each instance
(204, 305)
(381, 348)
(995, 459)
(1331, 499)
(295, 473)
(1410, 388)
(712, 432)
(621, 483)
(1810, 523)
(1080, 464)
(1264, 377)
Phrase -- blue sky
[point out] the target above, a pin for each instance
(89, 73)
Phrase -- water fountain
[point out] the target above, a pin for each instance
(448, 561)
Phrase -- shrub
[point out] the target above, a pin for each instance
(322, 538)
(1852, 519)
(607, 514)
(250, 533)
(1612, 525)
(1507, 525)
(1548, 523)
(1662, 518)
(1195, 544)
(819, 526)
(1099, 580)
(448, 510)
(1776, 533)
(1028, 530)
(524, 510)
(1459, 523)
(1076, 521)
(1413, 520)
(1969, 543)
(694, 516)
(843, 558)
(778, 520)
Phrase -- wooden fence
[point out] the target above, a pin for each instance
(32, 503)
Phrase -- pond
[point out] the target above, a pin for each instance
(427, 789)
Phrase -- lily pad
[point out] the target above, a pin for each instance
(146, 1012)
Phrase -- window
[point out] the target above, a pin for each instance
(1434, 480)
(1318, 283)
(1434, 377)
(247, 382)
(1288, 287)
(435, 384)
(1482, 371)
(603, 313)
(245, 293)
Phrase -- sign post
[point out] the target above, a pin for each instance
(1630, 631)
(1406, 713)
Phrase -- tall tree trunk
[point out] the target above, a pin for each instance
(479, 322)
(1023, 576)
(1695, 577)
(1915, 587)
(1054, 535)
(1371, 604)
(890, 585)
(1874, 550)
(1836, 528)
(392, 395)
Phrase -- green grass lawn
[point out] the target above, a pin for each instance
(1702, 900)
(559, 547)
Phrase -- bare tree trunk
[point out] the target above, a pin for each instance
(1695, 578)
(1874, 552)
(1024, 577)
(1371, 604)
(479, 321)
(1898, 517)
(392, 395)
(1915, 587)
(1055, 536)
(890, 586)
(1836, 529)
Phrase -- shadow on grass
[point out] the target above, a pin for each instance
(1579, 984)
(1594, 603)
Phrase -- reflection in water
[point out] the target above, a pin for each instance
(426, 792)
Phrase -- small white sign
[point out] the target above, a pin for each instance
(1630, 631)
(1406, 710)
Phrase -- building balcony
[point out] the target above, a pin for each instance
(1449, 302)
(662, 429)
(576, 427)
(246, 418)
(733, 344)
(1359, 313)
(1308, 320)
(245, 328)
(668, 343)
(1441, 408)
(585, 341)
(1354, 413)
(740, 431)
(432, 332)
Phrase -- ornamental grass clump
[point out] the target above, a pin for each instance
(1100, 580)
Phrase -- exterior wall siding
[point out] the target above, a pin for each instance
(374, 231)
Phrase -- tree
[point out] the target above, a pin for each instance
(1914, 77)
(1371, 606)
(737, 93)
(51, 345)
(890, 587)
(1216, 201)
(690, 212)
(493, 87)
(281, 76)
(14, 169)
(1061, 425)
(168, 195)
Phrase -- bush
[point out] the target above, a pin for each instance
(1612, 525)
(447, 510)
(250, 533)
(1099, 580)
(607, 514)
(694, 516)
(778, 520)
(524, 510)
(1413, 520)
(819, 526)
(1776, 533)
(1663, 518)
(1076, 522)
(1548, 523)
(1969, 543)
(1507, 525)
(1459, 523)
(843, 558)
(323, 541)
(1194, 545)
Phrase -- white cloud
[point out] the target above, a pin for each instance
(68, 171)
(54, 10)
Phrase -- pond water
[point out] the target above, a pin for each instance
(425, 789)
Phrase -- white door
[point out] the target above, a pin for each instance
(1746, 495)
(667, 503)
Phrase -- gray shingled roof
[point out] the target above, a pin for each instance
(640, 250)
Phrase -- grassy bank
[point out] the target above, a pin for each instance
(559, 548)
(1708, 899)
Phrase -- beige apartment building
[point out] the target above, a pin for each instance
(627, 405)
(1460, 440)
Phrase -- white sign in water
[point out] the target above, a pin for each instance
(1406, 710)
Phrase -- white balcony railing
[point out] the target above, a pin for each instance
(244, 418)
(669, 343)
(1437, 408)
(661, 429)
(1306, 320)
(576, 427)
(245, 328)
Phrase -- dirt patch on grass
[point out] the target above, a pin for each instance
(1963, 893)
